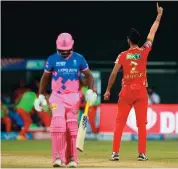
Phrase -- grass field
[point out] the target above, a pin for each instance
(37, 154)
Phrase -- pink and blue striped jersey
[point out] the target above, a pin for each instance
(65, 72)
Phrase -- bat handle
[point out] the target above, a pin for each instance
(87, 107)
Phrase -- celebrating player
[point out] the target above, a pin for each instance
(65, 67)
(134, 82)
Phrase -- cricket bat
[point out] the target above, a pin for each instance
(82, 129)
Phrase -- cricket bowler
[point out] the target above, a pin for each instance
(134, 83)
(65, 67)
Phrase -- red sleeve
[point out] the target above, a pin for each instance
(147, 46)
(119, 59)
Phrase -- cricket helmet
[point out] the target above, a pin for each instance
(64, 41)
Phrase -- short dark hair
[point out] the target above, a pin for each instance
(134, 36)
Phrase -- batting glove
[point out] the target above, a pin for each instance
(91, 96)
(40, 102)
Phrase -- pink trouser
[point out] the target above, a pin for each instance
(64, 126)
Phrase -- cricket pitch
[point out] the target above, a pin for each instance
(37, 154)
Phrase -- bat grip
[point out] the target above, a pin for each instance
(86, 107)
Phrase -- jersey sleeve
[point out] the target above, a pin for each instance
(119, 59)
(49, 65)
(147, 46)
(83, 64)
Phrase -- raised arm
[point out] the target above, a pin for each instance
(155, 25)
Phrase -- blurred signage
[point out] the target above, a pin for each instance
(22, 64)
(35, 64)
(13, 136)
(162, 119)
(13, 64)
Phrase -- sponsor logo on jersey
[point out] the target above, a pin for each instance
(67, 70)
(133, 56)
(60, 63)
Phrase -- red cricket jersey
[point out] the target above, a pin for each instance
(133, 62)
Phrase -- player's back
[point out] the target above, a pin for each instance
(133, 62)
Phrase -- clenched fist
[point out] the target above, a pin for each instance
(107, 95)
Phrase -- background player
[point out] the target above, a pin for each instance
(133, 93)
(24, 106)
(5, 119)
(65, 66)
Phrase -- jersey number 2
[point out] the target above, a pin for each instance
(133, 65)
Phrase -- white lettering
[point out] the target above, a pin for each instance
(66, 70)
(167, 121)
(60, 63)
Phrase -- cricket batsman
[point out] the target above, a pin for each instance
(65, 67)
(134, 83)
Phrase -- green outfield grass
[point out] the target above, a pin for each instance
(38, 154)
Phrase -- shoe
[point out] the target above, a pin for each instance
(114, 157)
(142, 157)
(21, 137)
(58, 163)
(72, 164)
